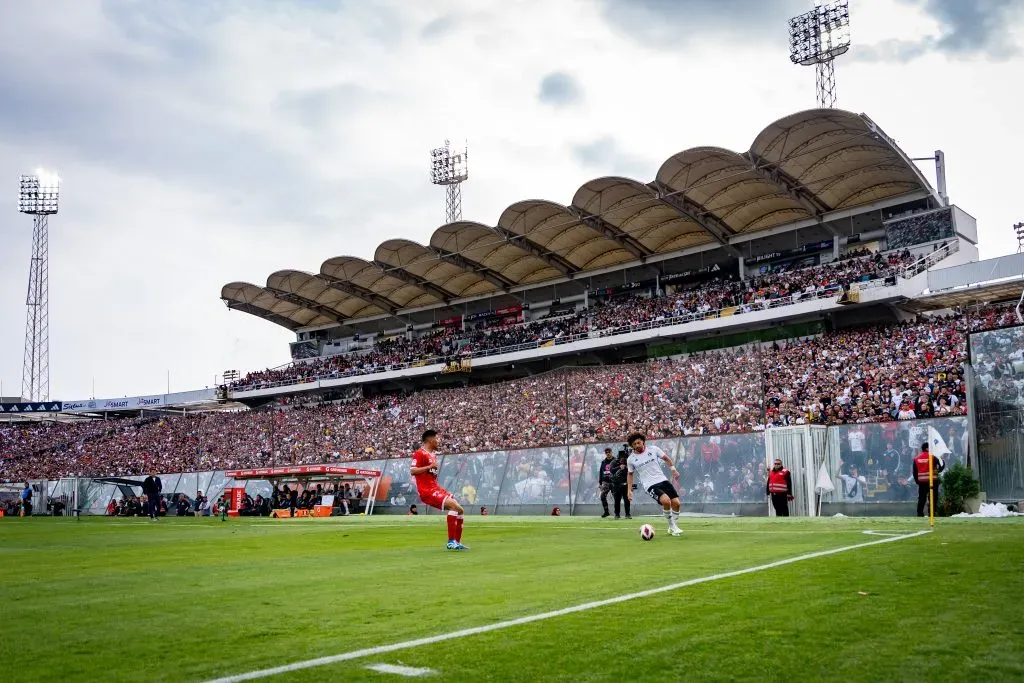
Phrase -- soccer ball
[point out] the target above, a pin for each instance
(647, 532)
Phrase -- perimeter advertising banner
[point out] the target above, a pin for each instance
(31, 408)
(99, 405)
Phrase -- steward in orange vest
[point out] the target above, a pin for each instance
(780, 489)
(920, 471)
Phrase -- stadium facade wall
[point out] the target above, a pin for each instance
(968, 274)
(720, 474)
(966, 225)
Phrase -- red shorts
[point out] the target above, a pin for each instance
(434, 497)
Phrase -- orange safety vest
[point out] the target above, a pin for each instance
(777, 481)
(922, 468)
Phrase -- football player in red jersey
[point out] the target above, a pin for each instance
(424, 471)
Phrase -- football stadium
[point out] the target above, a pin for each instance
(759, 416)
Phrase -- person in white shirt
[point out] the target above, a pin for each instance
(645, 462)
(853, 486)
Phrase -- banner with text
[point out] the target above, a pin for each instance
(99, 405)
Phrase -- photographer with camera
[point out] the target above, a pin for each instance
(604, 480)
(619, 485)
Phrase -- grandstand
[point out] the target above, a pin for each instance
(732, 295)
(718, 242)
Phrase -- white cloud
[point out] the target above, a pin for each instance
(201, 144)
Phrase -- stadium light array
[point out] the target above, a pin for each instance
(1019, 229)
(816, 38)
(821, 34)
(450, 169)
(39, 193)
(446, 167)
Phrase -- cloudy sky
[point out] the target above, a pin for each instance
(206, 142)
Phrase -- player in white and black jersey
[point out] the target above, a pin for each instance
(645, 462)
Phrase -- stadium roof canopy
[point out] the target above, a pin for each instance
(804, 166)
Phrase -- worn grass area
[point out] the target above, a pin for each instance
(191, 600)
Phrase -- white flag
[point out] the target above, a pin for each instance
(824, 482)
(936, 446)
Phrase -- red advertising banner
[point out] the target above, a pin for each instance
(298, 471)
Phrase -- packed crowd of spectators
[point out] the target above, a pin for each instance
(998, 359)
(906, 371)
(776, 286)
(999, 365)
(875, 374)
(920, 228)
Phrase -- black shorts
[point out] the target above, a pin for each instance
(662, 489)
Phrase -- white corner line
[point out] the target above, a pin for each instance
(476, 630)
(407, 671)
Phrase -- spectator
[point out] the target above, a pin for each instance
(181, 505)
(849, 376)
(26, 501)
(853, 486)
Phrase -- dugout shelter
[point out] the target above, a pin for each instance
(307, 475)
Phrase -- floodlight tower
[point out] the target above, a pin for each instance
(37, 196)
(817, 37)
(450, 168)
(1019, 229)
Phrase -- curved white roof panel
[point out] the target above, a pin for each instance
(799, 167)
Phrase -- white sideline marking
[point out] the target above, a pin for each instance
(410, 671)
(586, 526)
(429, 640)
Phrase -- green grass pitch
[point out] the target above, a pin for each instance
(194, 600)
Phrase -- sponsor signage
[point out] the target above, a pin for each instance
(691, 275)
(107, 404)
(299, 470)
(31, 408)
(457, 365)
(629, 286)
(805, 249)
(683, 277)
(511, 310)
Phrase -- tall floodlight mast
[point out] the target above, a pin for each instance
(37, 197)
(450, 168)
(817, 38)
